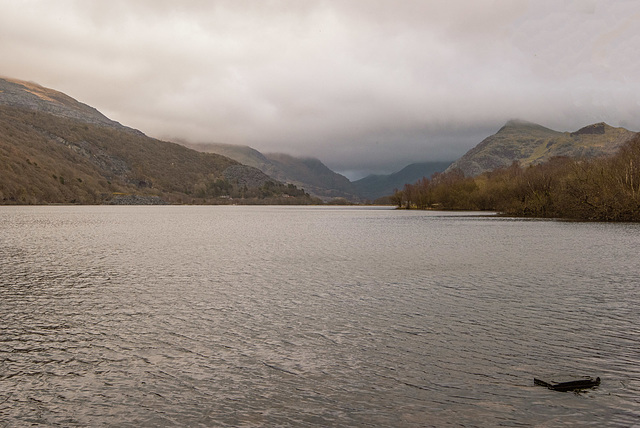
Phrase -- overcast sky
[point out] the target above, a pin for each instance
(367, 86)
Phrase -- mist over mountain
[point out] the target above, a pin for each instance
(54, 148)
(316, 178)
(307, 173)
(530, 143)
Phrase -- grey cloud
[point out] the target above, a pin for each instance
(366, 86)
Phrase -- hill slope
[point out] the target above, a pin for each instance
(307, 173)
(530, 143)
(376, 186)
(31, 96)
(313, 175)
(54, 149)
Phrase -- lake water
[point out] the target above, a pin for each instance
(313, 316)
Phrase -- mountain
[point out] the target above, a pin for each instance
(376, 186)
(31, 96)
(243, 154)
(54, 149)
(530, 143)
(314, 176)
(307, 173)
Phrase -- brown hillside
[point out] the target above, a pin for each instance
(56, 150)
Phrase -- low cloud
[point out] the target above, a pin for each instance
(366, 86)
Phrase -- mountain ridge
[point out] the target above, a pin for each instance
(530, 143)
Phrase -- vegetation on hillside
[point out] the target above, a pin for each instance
(308, 173)
(49, 159)
(603, 189)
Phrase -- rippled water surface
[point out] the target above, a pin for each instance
(287, 316)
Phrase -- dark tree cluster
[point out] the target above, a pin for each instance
(601, 189)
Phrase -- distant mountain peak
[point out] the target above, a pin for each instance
(376, 186)
(519, 122)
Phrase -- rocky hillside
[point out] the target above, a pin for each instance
(307, 173)
(530, 143)
(54, 149)
(31, 96)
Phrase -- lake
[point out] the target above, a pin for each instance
(313, 316)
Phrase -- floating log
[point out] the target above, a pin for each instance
(568, 383)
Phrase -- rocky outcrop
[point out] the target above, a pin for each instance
(595, 129)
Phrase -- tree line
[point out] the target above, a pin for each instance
(600, 189)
